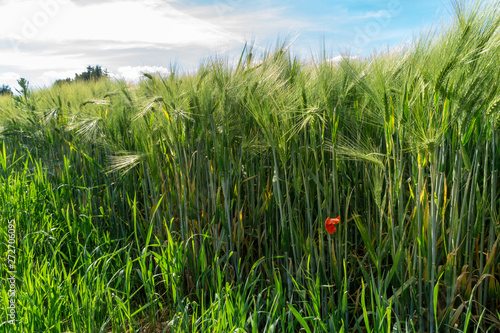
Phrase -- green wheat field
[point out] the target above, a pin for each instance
(197, 202)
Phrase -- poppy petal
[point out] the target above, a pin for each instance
(330, 224)
(331, 229)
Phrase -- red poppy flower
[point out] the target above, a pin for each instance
(330, 224)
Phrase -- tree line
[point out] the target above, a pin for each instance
(92, 73)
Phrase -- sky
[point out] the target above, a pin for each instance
(45, 40)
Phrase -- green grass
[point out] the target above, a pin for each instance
(196, 203)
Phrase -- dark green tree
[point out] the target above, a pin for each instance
(62, 81)
(92, 73)
(5, 90)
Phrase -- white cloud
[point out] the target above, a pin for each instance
(135, 73)
(47, 78)
(10, 79)
(257, 25)
(9, 76)
(143, 22)
(40, 59)
(339, 58)
(45, 40)
(335, 60)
